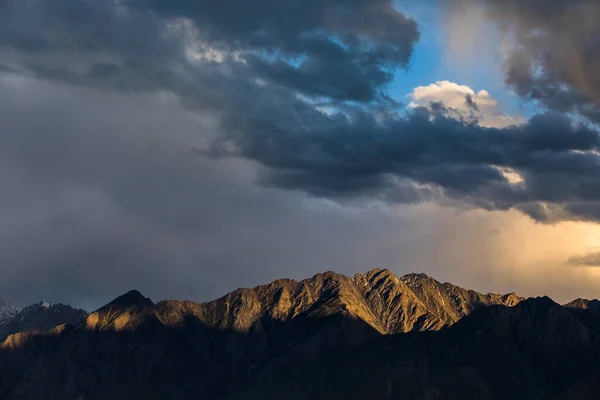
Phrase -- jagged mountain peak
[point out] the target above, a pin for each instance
(539, 307)
(388, 303)
(417, 276)
(327, 277)
(377, 297)
(538, 301)
(45, 304)
(131, 299)
(126, 312)
(422, 280)
(584, 304)
(372, 276)
(377, 275)
(376, 271)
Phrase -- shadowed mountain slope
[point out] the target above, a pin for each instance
(535, 350)
(588, 312)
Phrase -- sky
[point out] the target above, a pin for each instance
(191, 147)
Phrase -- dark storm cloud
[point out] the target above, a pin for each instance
(338, 48)
(103, 70)
(346, 50)
(76, 41)
(554, 57)
(338, 51)
(23, 41)
(75, 26)
(587, 260)
(332, 156)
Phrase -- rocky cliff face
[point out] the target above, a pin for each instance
(262, 341)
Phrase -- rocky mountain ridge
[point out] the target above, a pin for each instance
(379, 298)
(585, 304)
(259, 342)
(385, 302)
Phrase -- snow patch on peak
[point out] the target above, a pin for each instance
(45, 304)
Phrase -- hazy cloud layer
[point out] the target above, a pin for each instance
(135, 133)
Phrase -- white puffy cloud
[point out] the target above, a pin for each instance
(465, 103)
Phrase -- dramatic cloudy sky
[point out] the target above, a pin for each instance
(189, 147)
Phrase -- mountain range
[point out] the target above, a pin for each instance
(371, 336)
(37, 317)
